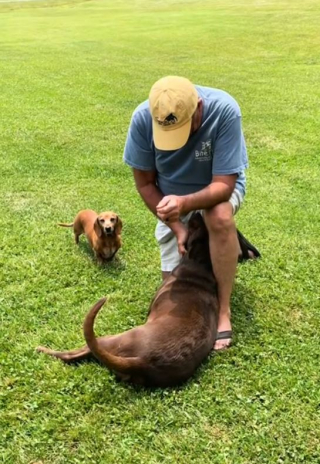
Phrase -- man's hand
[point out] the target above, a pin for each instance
(170, 208)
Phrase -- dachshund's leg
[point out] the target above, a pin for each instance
(99, 258)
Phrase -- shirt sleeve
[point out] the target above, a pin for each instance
(229, 153)
(138, 151)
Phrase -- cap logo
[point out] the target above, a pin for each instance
(168, 121)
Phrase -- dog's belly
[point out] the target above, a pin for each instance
(181, 340)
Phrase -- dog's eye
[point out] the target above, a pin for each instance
(113, 219)
(101, 220)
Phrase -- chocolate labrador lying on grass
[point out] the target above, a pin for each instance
(180, 329)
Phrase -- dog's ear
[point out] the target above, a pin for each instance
(97, 228)
(196, 229)
(195, 223)
(198, 241)
(118, 226)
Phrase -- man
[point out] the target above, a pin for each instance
(187, 150)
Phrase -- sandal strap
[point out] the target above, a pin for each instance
(224, 335)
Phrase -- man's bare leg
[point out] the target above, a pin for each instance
(224, 251)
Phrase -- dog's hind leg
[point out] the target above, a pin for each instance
(68, 356)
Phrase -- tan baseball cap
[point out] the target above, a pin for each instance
(172, 101)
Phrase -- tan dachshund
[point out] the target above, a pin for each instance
(180, 329)
(103, 232)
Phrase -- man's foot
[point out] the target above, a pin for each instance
(223, 340)
(251, 255)
(224, 333)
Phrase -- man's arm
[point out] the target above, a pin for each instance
(152, 196)
(147, 188)
(172, 206)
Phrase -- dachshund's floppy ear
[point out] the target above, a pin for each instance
(97, 228)
(118, 226)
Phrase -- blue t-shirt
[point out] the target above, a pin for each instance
(216, 148)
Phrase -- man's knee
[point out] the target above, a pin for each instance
(219, 219)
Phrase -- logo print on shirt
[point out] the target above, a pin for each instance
(205, 154)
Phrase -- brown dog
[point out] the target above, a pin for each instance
(103, 232)
(180, 329)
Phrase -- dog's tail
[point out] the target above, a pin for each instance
(67, 356)
(117, 363)
(62, 224)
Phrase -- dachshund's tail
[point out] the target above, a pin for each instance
(62, 224)
(119, 364)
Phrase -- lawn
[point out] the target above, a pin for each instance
(71, 73)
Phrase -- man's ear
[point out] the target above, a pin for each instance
(118, 226)
(97, 228)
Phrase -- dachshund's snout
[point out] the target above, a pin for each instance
(108, 230)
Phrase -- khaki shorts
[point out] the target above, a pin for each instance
(168, 243)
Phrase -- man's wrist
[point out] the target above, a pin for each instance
(186, 205)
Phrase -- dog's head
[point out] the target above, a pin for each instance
(198, 241)
(108, 224)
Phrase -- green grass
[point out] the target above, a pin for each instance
(71, 75)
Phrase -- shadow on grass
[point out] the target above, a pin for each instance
(243, 311)
(114, 266)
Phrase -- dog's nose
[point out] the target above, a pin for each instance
(108, 229)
